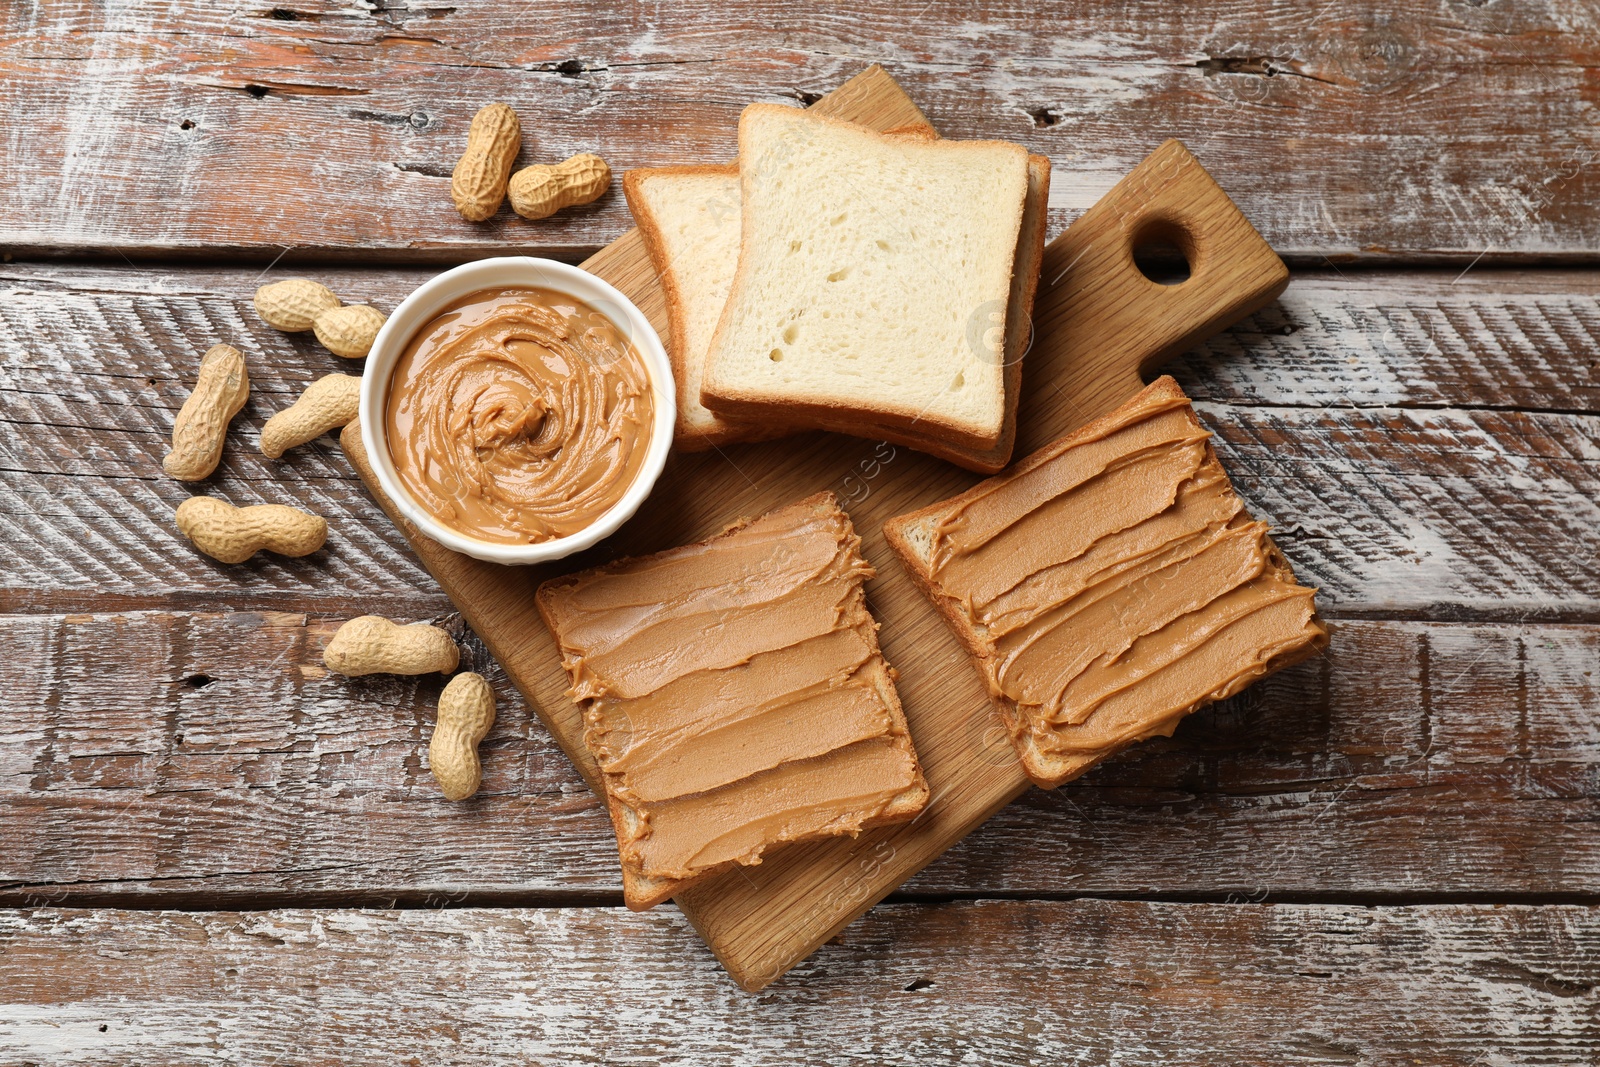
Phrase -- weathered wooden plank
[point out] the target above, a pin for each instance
(1344, 129)
(215, 752)
(1359, 338)
(1429, 514)
(209, 760)
(91, 376)
(999, 982)
(1401, 750)
(1483, 339)
(1391, 509)
(1434, 513)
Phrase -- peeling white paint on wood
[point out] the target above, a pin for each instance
(1412, 510)
(100, 101)
(1484, 339)
(204, 758)
(1410, 132)
(1324, 407)
(1004, 983)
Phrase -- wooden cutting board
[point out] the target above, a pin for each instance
(1099, 325)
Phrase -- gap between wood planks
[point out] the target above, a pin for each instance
(79, 895)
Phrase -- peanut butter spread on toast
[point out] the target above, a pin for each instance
(1113, 582)
(734, 695)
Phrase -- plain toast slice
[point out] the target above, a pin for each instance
(873, 272)
(689, 218)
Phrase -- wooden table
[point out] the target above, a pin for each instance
(211, 851)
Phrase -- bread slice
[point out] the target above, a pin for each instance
(735, 697)
(1018, 338)
(689, 218)
(873, 270)
(1049, 594)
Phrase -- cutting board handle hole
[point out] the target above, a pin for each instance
(1163, 249)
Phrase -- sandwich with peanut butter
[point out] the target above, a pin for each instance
(1109, 584)
(735, 697)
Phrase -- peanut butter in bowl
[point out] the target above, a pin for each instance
(519, 421)
(517, 415)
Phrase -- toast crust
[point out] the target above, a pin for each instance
(724, 431)
(1044, 769)
(723, 398)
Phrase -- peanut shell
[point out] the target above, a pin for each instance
(478, 183)
(371, 644)
(232, 535)
(466, 711)
(540, 191)
(349, 331)
(293, 304)
(327, 404)
(201, 427)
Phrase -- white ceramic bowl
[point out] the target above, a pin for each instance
(418, 309)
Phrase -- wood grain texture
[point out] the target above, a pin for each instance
(1102, 328)
(1401, 131)
(1358, 338)
(94, 364)
(208, 760)
(90, 381)
(1421, 339)
(1007, 983)
(1497, 469)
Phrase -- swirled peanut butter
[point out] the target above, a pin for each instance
(518, 415)
(1112, 583)
(735, 697)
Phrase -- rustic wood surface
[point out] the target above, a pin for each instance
(1385, 423)
(1009, 983)
(81, 347)
(1344, 128)
(194, 759)
(1384, 856)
